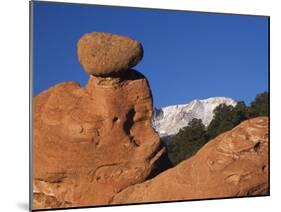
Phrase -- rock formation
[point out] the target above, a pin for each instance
(104, 54)
(233, 164)
(90, 143)
(95, 145)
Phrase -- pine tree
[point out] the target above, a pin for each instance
(259, 107)
(187, 142)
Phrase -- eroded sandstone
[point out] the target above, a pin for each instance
(233, 164)
(90, 143)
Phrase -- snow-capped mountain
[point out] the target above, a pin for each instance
(169, 120)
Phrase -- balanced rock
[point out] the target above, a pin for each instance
(104, 54)
(90, 143)
(233, 164)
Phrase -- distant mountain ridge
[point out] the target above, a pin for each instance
(169, 120)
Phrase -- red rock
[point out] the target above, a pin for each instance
(233, 164)
(90, 143)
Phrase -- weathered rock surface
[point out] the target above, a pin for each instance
(104, 54)
(233, 164)
(96, 146)
(90, 143)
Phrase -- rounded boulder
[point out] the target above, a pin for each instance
(105, 54)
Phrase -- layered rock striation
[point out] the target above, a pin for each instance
(233, 164)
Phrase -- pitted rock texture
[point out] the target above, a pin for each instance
(90, 143)
(105, 54)
(233, 164)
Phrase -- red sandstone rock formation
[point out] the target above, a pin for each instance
(233, 164)
(95, 145)
(92, 142)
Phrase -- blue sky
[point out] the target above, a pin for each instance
(187, 55)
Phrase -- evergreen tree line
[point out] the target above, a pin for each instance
(192, 137)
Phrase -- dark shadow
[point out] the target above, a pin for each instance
(129, 121)
(23, 206)
(130, 74)
(161, 165)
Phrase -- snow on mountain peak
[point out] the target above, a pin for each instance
(169, 120)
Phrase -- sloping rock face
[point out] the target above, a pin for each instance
(233, 164)
(90, 143)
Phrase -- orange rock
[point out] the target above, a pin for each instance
(233, 164)
(105, 54)
(90, 143)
